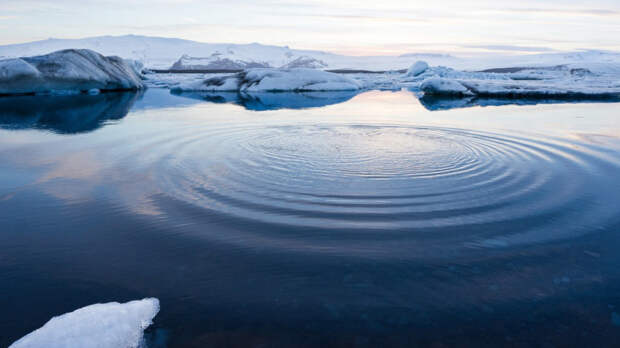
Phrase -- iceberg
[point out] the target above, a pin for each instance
(417, 68)
(273, 80)
(100, 325)
(67, 71)
(444, 86)
(559, 81)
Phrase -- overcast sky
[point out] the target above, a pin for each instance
(345, 26)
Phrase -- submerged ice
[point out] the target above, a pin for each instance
(102, 325)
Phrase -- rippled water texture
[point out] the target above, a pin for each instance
(316, 220)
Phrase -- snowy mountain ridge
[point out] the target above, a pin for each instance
(163, 53)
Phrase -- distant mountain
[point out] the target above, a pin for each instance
(426, 55)
(158, 52)
(164, 53)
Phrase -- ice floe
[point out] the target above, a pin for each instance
(272, 80)
(100, 325)
(565, 81)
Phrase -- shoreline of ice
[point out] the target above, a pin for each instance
(85, 71)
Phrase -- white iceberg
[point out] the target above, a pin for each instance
(108, 325)
(417, 68)
(67, 71)
(443, 86)
(274, 80)
(563, 81)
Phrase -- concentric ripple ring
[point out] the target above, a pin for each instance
(331, 187)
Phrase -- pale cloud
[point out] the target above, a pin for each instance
(565, 12)
(347, 26)
(511, 48)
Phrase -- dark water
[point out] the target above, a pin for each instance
(314, 220)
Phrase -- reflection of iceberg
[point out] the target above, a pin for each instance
(64, 114)
(273, 101)
(160, 98)
(435, 103)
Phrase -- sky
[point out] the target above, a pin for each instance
(355, 27)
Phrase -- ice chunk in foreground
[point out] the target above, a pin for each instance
(273, 80)
(101, 325)
(417, 68)
(67, 71)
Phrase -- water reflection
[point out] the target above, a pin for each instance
(273, 101)
(368, 222)
(65, 114)
(435, 103)
(264, 101)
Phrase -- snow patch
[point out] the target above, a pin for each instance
(100, 325)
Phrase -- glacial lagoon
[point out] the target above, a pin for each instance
(333, 219)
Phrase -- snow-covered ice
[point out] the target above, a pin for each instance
(438, 85)
(271, 80)
(67, 71)
(581, 74)
(582, 80)
(417, 68)
(107, 325)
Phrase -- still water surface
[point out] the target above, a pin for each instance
(314, 220)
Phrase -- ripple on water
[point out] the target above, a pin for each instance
(385, 189)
